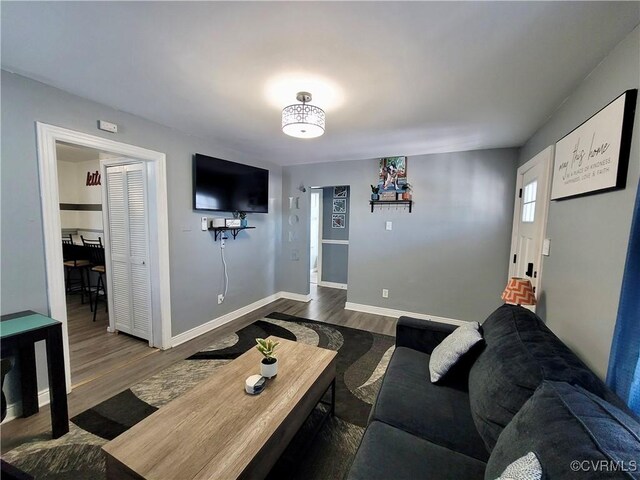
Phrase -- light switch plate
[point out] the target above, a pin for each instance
(388, 226)
(546, 247)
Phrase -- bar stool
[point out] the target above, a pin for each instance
(96, 253)
(73, 261)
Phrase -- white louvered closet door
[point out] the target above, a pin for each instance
(129, 237)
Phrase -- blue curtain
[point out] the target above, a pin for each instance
(624, 363)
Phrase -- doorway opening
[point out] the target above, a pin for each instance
(315, 245)
(329, 236)
(94, 348)
(91, 284)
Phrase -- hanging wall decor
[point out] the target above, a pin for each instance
(340, 192)
(337, 220)
(339, 205)
(392, 174)
(594, 157)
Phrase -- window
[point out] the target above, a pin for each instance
(529, 202)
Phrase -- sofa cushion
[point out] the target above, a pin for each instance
(387, 452)
(520, 353)
(574, 433)
(439, 413)
(452, 349)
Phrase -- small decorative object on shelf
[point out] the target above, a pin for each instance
(254, 384)
(375, 189)
(269, 364)
(243, 218)
(406, 191)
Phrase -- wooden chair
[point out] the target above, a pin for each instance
(75, 261)
(96, 256)
(88, 242)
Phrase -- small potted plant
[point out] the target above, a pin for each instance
(243, 218)
(406, 191)
(269, 364)
(375, 190)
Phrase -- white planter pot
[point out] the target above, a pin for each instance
(269, 370)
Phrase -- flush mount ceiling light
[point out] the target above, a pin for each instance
(302, 120)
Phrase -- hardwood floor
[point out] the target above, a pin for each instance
(95, 352)
(327, 305)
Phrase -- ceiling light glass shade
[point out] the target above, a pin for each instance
(303, 120)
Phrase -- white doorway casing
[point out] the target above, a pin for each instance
(47, 136)
(531, 209)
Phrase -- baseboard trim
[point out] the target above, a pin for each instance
(390, 312)
(15, 409)
(229, 317)
(218, 322)
(341, 286)
(299, 297)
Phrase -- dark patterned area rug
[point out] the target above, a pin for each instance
(361, 362)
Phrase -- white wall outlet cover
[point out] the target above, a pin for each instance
(546, 247)
(385, 293)
(204, 225)
(388, 226)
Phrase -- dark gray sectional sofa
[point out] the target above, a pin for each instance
(521, 390)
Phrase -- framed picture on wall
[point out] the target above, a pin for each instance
(339, 205)
(337, 220)
(392, 173)
(340, 192)
(594, 157)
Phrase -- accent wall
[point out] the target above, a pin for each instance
(589, 235)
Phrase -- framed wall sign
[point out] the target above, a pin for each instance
(594, 157)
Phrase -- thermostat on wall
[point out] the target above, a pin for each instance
(107, 126)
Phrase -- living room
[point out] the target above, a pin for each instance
(395, 79)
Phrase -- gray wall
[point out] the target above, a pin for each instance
(589, 235)
(196, 267)
(335, 258)
(448, 258)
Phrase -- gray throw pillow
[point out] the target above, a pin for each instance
(452, 348)
(524, 468)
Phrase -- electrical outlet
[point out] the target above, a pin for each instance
(223, 242)
(220, 299)
(385, 293)
(388, 226)
(204, 224)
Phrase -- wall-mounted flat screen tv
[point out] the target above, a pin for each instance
(220, 185)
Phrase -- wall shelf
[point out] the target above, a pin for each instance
(408, 203)
(218, 231)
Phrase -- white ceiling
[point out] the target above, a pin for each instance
(394, 78)
(65, 152)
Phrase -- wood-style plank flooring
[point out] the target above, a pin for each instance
(327, 305)
(93, 351)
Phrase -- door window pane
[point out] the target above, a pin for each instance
(529, 202)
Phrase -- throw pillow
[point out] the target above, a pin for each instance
(575, 434)
(452, 348)
(525, 468)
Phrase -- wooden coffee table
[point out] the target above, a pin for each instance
(217, 431)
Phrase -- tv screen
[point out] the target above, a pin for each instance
(220, 185)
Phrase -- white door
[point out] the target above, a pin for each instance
(129, 247)
(530, 218)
